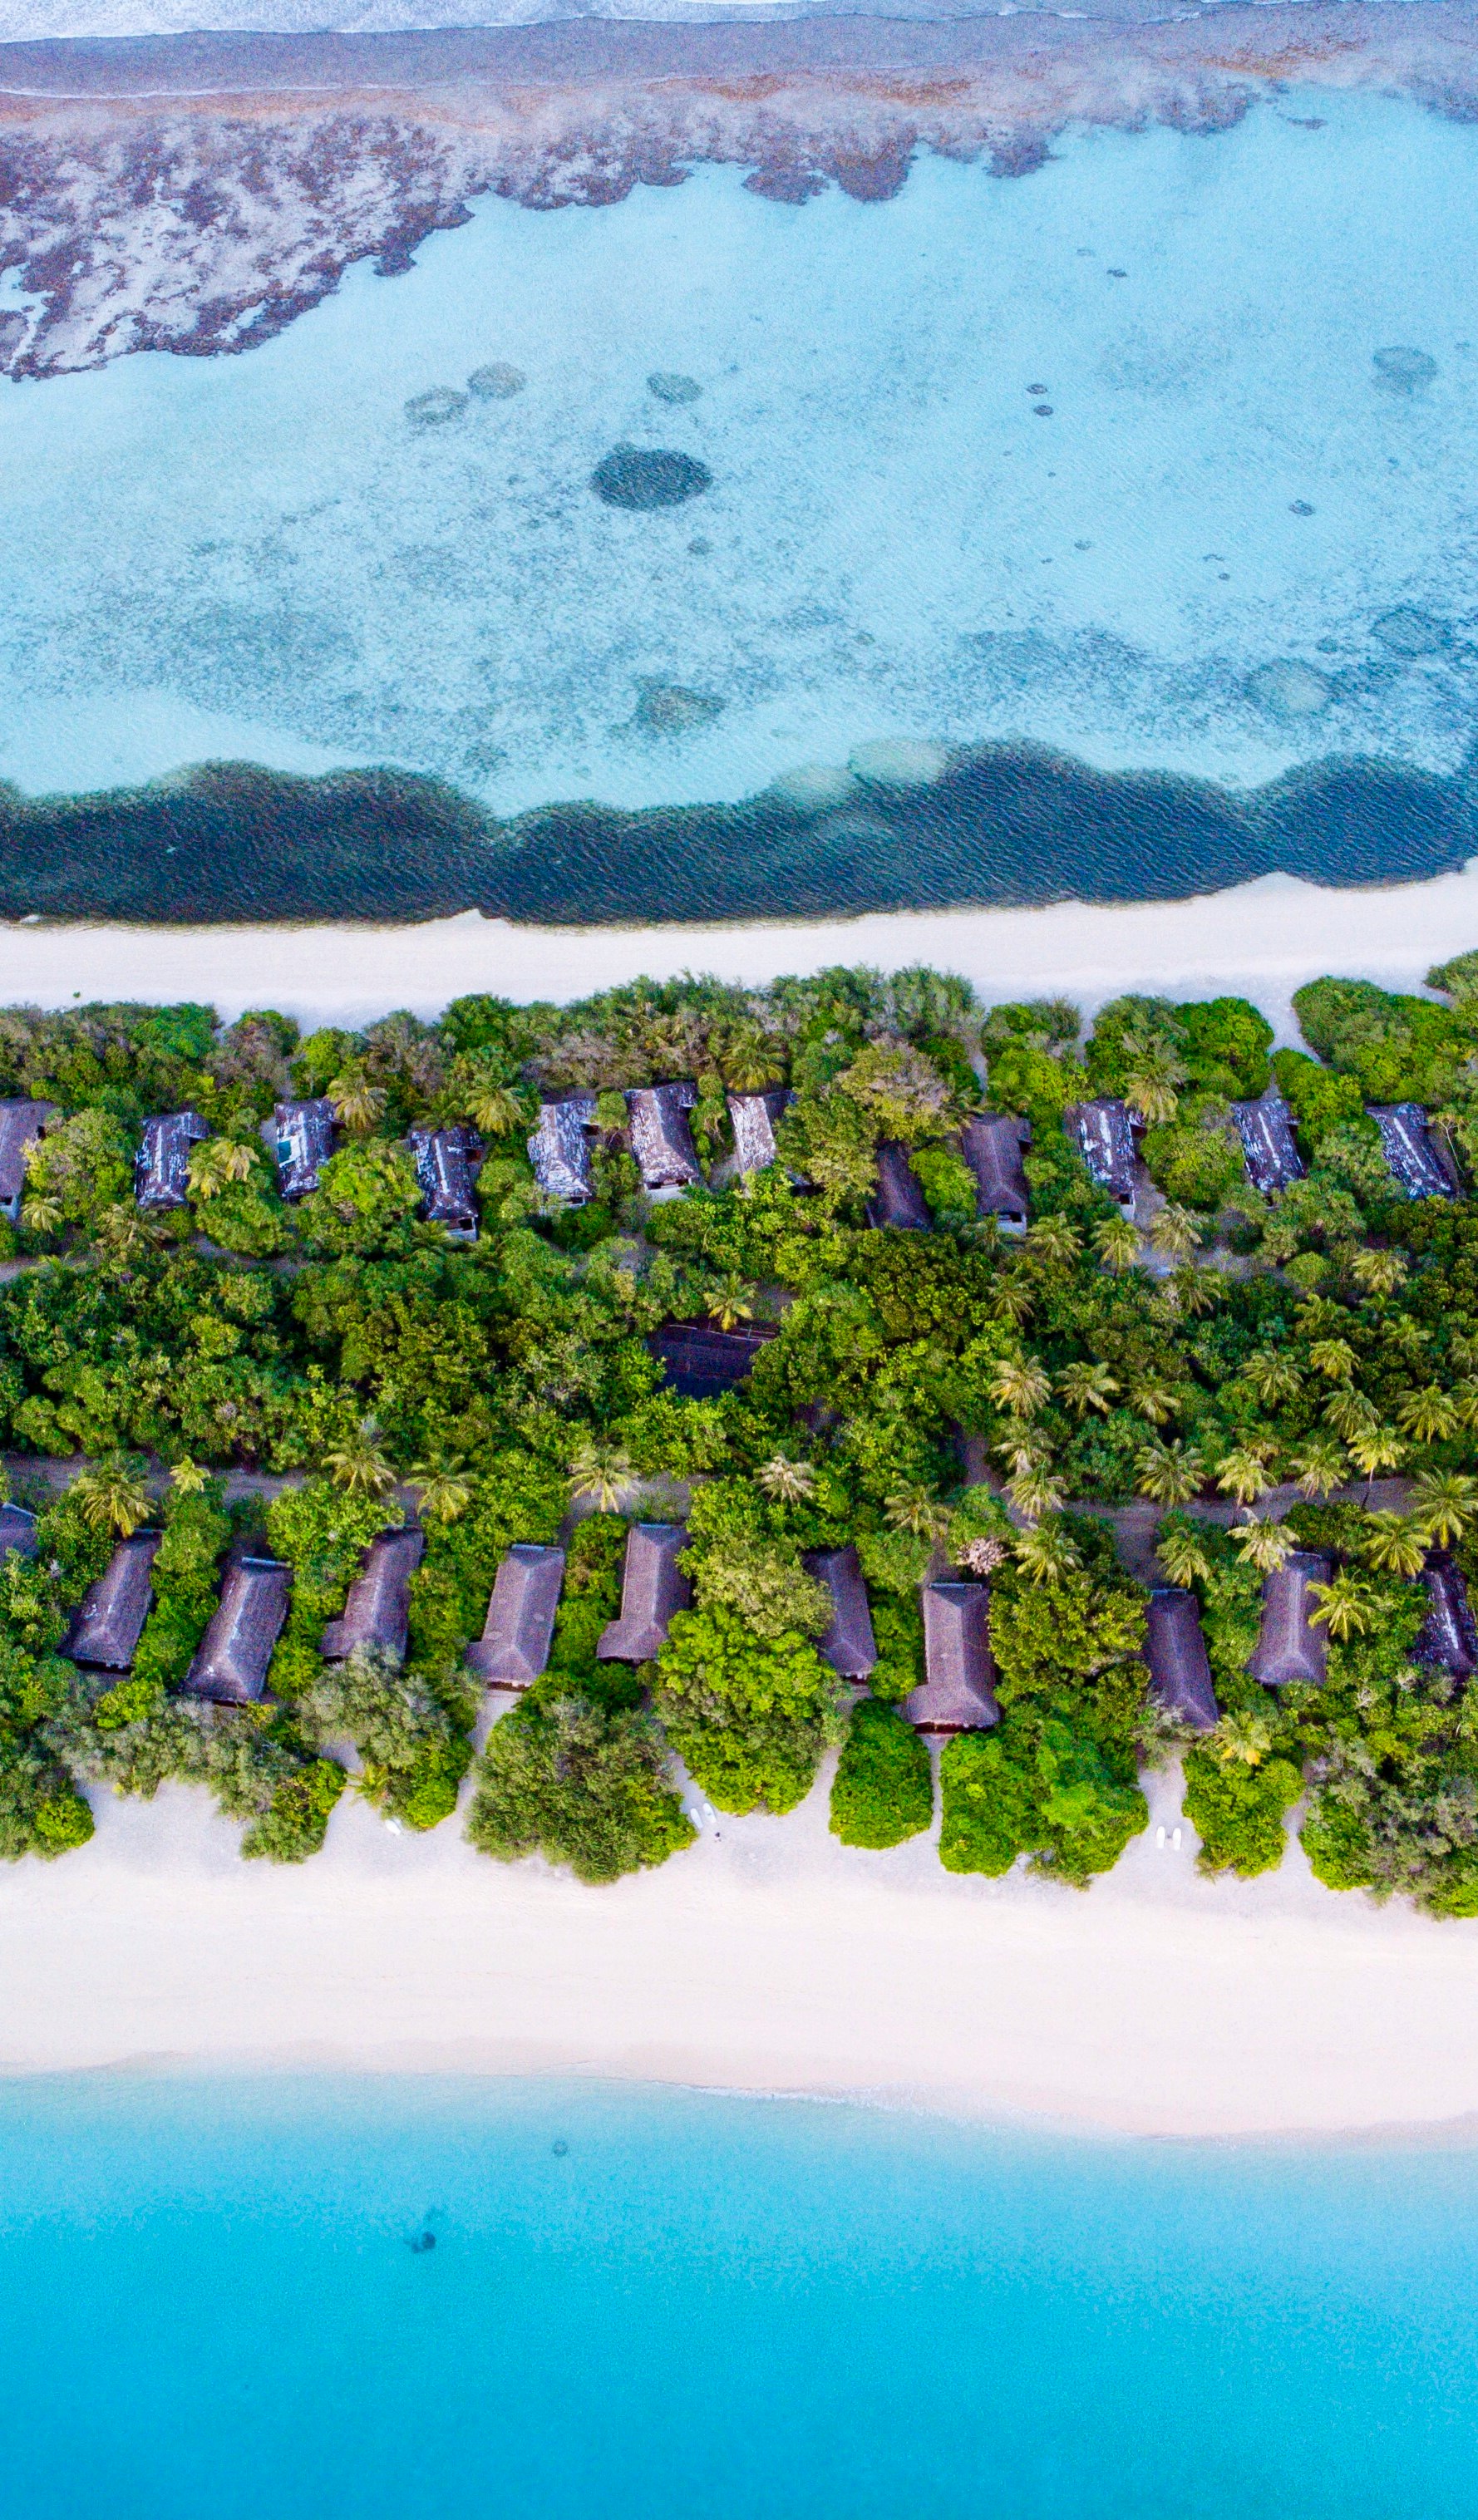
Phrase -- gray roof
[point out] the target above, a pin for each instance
(660, 1137)
(991, 1144)
(1448, 1637)
(110, 1622)
(1269, 1156)
(231, 1665)
(560, 1149)
(1179, 1669)
(1412, 1157)
(898, 1199)
(753, 1117)
(514, 1648)
(1289, 1646)
(161, 1166)
(1104, 1134)
(848, 1645)
(959, 1692)
(378, 1609)
(22, 1123)
(700, 1361)
(443, 1168)
(304, 1141)
(18, 1531)
(653, 1587)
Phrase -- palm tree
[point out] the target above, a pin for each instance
(216, 1162)
(1394, 1543)
(1445, 1504)
(443, 1490)
(1045, 1553)
(1168, 1474)
(1117, 1242)
(41, 1212)
(1053, 1239)
(1320, 1466)
(750, 1059)
(1183, 1552)
(358, 1102)
(1174, 1232)
(494, 1109)
(1465, 1397)
(1020, 1384)
(918, 1511)
(1154, 1400)
(787, 1482)
(1345, 1607)
(1010, 1300)
(1034, 1490)
(1349, 1411)
(112, 1496)
(1193, 1290)
(1086, 1386)
(1242, 1740)
(1272, 1377)
(358, 1465)
(1429, 1414)
(187, 1477)
(730, 1302)
(1153, 1073)
(1243, 1472)
(1379, 1273)
(1263, 1542)
(1334, 1358)
(1025, 1448)
(1374, 1449)
(602, 1471)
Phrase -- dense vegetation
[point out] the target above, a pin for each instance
(360, 1360)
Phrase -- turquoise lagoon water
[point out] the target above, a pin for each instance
(217, 2297)
(1160, 457)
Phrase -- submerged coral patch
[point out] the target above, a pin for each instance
(496, 382)
(669, 388)
(649, 477)
(1404, 371)
(430, 409)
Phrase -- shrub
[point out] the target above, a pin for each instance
(579, 1782)
(884, 1791)
(1237, 1811)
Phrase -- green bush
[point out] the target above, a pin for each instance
(750, 1719)
(1237, 1811)
(882, 1791)
(582, 1783)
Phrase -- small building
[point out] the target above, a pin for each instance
(22, 1124)
(106, 1630)
(958, 1692)
(1269, 1156)
(513, 1648)
(660, 1139)
(653, 1587)
(898, 1199)
(560, 1149)
(18, 1531)
(444, 1169)
(701, 1362)
(161, 1166)
(378, 1609)
(304, 1142)
(1413, 1156)
(1289, 1646)
(1104, 1134)
(237, 1648)
(1179, 1668)
(1448, 1641)
(991, 1144)
(848, 1645)
(755, 1118)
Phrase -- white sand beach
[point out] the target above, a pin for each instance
(1261, 940)
(768, 1960)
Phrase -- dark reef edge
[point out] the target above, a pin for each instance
(1008, 825)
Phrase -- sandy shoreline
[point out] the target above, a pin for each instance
(772, 1960)
(1261, 940)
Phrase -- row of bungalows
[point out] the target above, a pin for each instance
(1106, 1132)
(301, 1137)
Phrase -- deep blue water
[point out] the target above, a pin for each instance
(653, 2302)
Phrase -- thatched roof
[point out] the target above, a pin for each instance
(959, 1692)
(1289, 1646)
(701, 1361)
(991, 1144)
(660, 1137)
(161, 1166)
(1269, 1156)
(1448, 1640)
(753, 1118)
(513, 1648)
(18, 1531)
(848, 1645)
(109, 1621)
(1179, 1669)
(899, 1200)
(653, 1587)
(22, 1123)
(560, 1149)
(443, 1167)
(231, 1665)
(1104, 1134)
(378, 1609)
(1413, 1156)
(304, 1142)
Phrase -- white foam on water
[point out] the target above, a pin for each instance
(895, 545)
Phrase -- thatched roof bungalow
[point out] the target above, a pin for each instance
(1290, 1647)
(443, 1167)
(1269, 1156)
(1179, 1668)
(161, 1166)
(560, 1149)
(753, 1118)
(1104, 1134)
(958, 1692)
(378, 1609)
(18, 1531)
(653, 1587)
(21, 1124)
(848, 1645)
(513, 1648)
(701, 1362)
(899, 1200)
(1413, 1158)
(991, 1143)
(303, 1141)
(660, 1139)
(106, 1630)
(1449, 1639)
(231, 1664)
